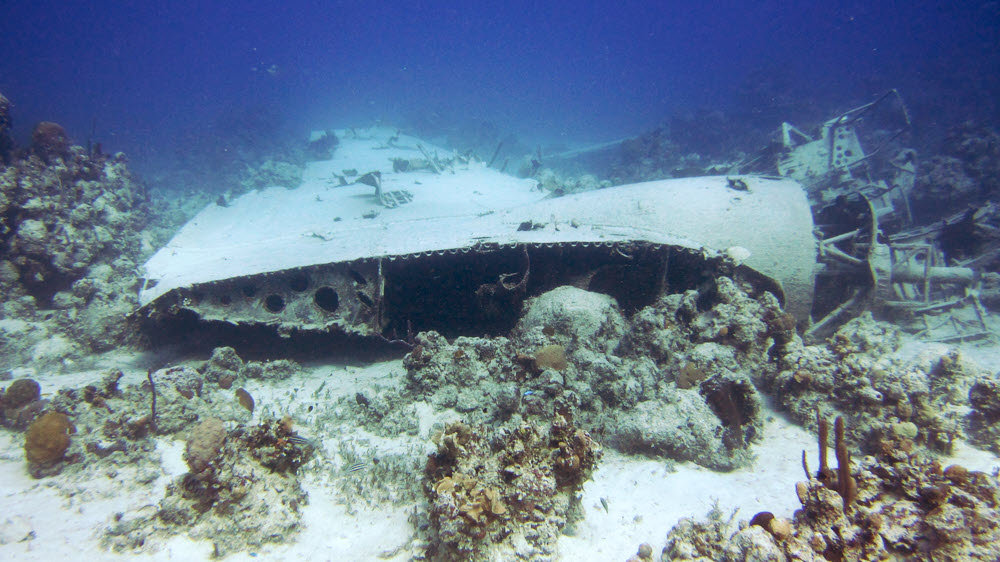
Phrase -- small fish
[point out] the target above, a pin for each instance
(245, 399)
(302, 441)
(312, 234)
(604, 504)
(528, 393)
(360, 465)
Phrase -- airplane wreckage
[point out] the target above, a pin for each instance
(392, 235)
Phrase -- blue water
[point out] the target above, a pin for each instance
(149, 77)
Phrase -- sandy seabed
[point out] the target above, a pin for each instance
(630, 500)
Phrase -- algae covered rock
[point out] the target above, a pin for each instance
(684, 427)
(271, 173)
(279, 369)
(698, 539)
(224, 365)
(574, 318)
(864, 373)
(468, 375)
(181, 380)
(753, 544)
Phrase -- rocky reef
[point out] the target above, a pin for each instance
(533, 410)
(671, 382)
(72, 235)
(897, 505)
(887, 394)
(682, 379)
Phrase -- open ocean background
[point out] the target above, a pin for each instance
(160, 80)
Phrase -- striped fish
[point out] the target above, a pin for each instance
(360, 465)
(302, 441)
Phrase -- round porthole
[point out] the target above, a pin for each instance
(274, 303)
(327, 299)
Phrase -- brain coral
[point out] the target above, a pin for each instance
(49, 140)
(204, 444)
(48, 438)
(19, 393)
